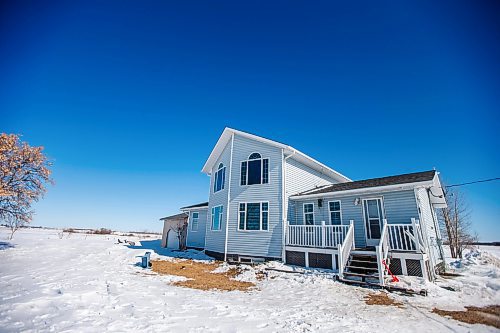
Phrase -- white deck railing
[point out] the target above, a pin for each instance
(398, 237)
(345, 248)
(321, 236)
(382, 250)
(406, 237)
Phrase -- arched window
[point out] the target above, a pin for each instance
(255, 170)
(254, 156)
(219, 178)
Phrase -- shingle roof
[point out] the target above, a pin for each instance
(174, 217)
(375, 182)
(203, 204)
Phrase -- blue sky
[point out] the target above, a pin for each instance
(129, 97)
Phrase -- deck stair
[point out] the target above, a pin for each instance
(362, 267)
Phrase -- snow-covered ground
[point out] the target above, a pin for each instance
(88, 283)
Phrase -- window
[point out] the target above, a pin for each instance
(255, 170)
(194, 221)
(335, 212)
(216, 217)
(309, 214)
(373, 217)
(253, 216)
(219, 178)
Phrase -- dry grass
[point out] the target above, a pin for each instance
(488, 315)
(381, 299)
(200, 275)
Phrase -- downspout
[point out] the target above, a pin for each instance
(208, 222)
(228, 196)
(284, 206)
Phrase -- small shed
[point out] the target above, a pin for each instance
(174, 231)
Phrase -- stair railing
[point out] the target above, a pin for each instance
(382, 251)
(418, 236)
(345, 248)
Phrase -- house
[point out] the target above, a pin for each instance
(269, 201)
(197, 225)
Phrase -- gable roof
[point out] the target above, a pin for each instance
(408, 178)
(203, 204)
(174, 217)
(288, 150)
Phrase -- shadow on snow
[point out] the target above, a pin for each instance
(6, 245)
(155, 246)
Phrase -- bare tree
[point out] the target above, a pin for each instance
(179, 227)
(24, 172)
(456, 224)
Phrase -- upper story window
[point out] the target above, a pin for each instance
(335, 212)
(309, 214)
(255, 170)
(195, 216)
(219, 178)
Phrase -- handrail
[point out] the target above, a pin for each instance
(382, 251)
(345, 248)
(406, 237)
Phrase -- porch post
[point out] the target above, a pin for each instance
(285, 240)
(415, 236)
(351, 224)
(323, 234)
(340, 261)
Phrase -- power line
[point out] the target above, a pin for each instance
(474, 182)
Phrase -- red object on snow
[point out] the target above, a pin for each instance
(394, 277)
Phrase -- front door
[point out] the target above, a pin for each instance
(373, 212)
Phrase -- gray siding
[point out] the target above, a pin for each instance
(215, 239)
(197, 238)
(256, 243)
(427, 221)
(300, 178)
(399, 207)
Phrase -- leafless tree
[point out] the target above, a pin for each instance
(456, 223)
(179, 227)
(24, 172)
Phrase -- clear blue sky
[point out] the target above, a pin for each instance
(129, 97)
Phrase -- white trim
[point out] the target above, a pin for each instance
(379, 189)
(260, 216)
(191, 217)
(261, 170)
(304, 212)
(284, 208)
(381, 218)
(423, 228)
(330, 212)
(223, 169)
(301, 157)
(228, 197)
(194, 208)
(212, 218)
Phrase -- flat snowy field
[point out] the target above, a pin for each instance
(88, 283)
